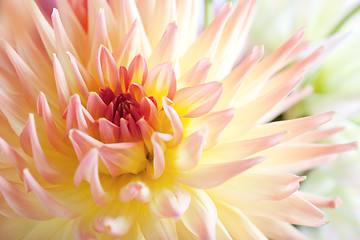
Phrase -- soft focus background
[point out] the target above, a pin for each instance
(334, 24)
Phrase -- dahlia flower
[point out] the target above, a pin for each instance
(120, 121)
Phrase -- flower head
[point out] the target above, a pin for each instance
(119, 121)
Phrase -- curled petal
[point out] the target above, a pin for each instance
(83, 143)
(174, 120)
(158, 165)
(135, 189)
(125, 157)
(171, 201)
(88, 169)
(116, 219)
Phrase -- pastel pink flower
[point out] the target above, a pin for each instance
(119, 121)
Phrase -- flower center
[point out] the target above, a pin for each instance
(119, 106)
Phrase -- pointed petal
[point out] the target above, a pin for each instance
(196, 75)
(269, 65)
(84, 80)
(62, 85)
(196, 101)
(31, 146)
(256, 185)
(275, 229)
(294, 127)
(161, 82)
(216, 122)
(100, 38)
(109, 132)
(320, 201)
(13, 156)
(233, 81)
(293, 209)
(138, 70)
(21, 202)
(106, 68)
(256, 109)
(165, 50)
(53, 133)
(202, 176)
(63, 43)
(242, 149)
(78, 117)
(43, 27)
(47, 201)
(205, 45)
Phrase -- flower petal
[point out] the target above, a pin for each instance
(258, 184)
(161, 82)
(175, 122)
(21, 202)
(196, 101)
(201, 216)
(88, 169)
(237, 223)
(138, 70)
(106, 68)
(202, 176)
(165, 50)
(47, 201)
(169, 201)
(62, 85)
(31, 146)
(196, 75)
(157, 167)
(205, 45)
(116, 219)
(188, 154)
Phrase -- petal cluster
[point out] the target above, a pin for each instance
(119, 121)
